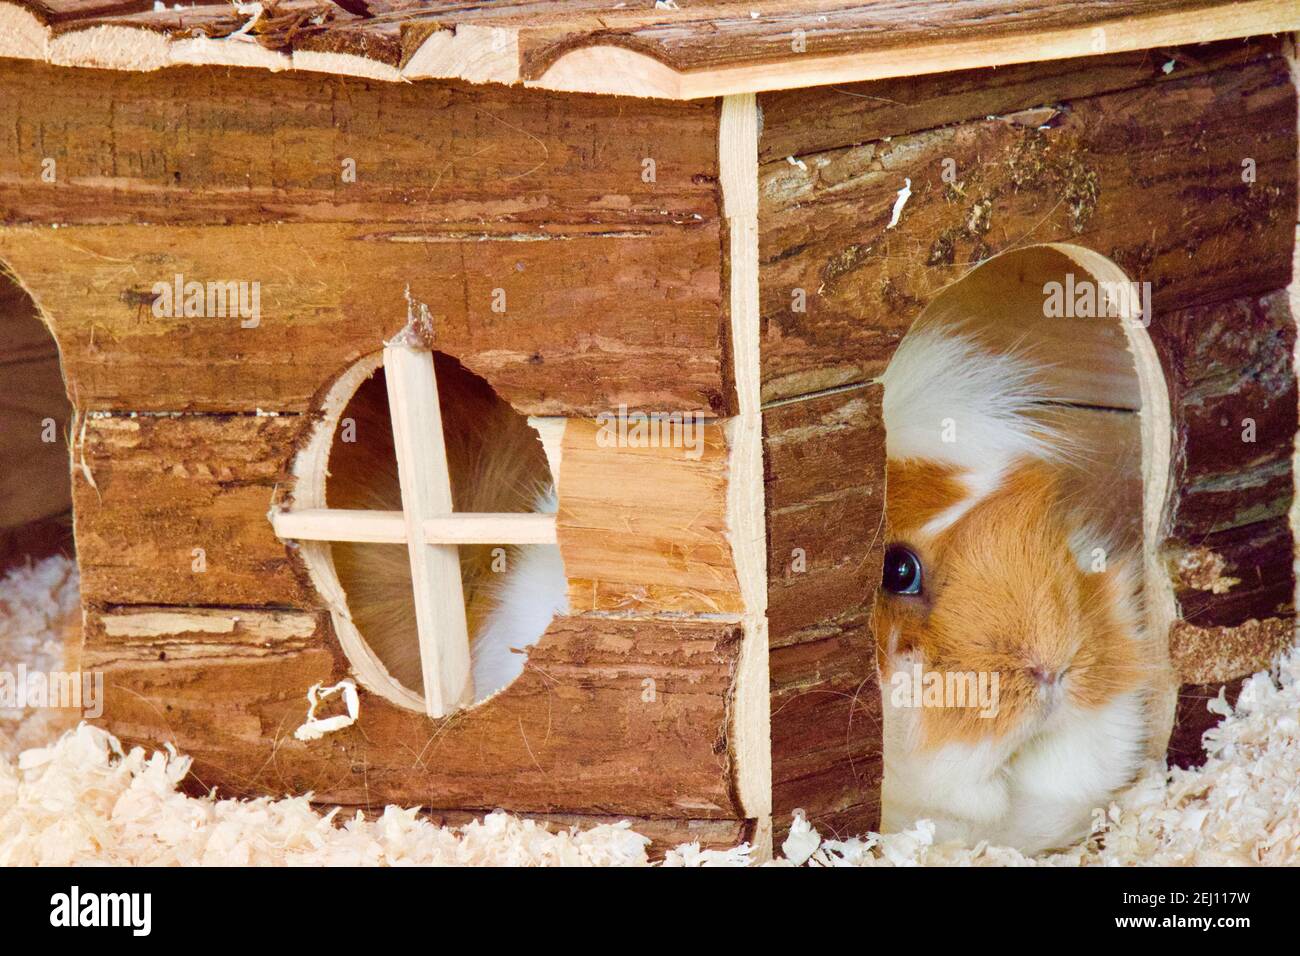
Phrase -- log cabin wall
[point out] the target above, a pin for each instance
(1140, 157)
(595, 220)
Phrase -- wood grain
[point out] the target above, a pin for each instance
(851, 114)
(1151, 177)
(609, 717)
(588, 323)
(643, 530)
(165, 486)
(703, 49)
(1233, 389)
(825, 485)
(194, 145)
(1231, 377)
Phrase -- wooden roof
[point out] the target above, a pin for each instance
(679, 49)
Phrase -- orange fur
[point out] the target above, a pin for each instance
(922, 490)
(496, 463)
(1004, 594)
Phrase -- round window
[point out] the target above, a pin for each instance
(413, 446)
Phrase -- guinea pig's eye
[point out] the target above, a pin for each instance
(902, 571)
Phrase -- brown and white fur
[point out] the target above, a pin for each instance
(497, 464)
(1008, 589)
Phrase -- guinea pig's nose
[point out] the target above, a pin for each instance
(1044, 675)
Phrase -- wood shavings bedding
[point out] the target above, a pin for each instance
(83, 799)
(36, 604)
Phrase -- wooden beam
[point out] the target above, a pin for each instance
(621, 71)
(426, 493)
(584, 331)
(230, 693)
(702, 50)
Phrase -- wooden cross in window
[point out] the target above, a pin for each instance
(426, 525)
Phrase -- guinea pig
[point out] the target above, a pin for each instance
(991, 574)
(497, 464)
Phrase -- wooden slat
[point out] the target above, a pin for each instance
(1226, 364)
(486, 528)
(825, 459)
(426, 493)
(1228, 544)
(339, 524)
(232, 147)
(746, 514)
(389, 527)
(641, 529)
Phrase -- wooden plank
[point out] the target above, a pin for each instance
(856, 113)
(235, 147)
(815, 46)
(1151, 177)
(609, 717)
(824, 461)
(177, 512)
(426, 493)
(643, 528)
(746, 513)
(504, 528)
(389, 527)
(1228, 546)
(713, 48)
(589, 323)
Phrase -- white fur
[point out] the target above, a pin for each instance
(1034, 791)
(532, 592)
(942, 383)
